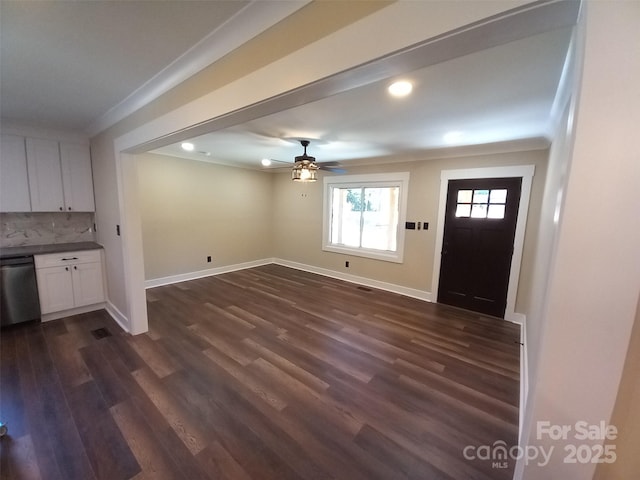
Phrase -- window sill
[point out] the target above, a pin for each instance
(393, 257)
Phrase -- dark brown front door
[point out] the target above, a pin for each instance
(479, 228)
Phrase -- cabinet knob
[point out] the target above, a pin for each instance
(60, 209)
(75, 268)
(66, 268)
(69, 208)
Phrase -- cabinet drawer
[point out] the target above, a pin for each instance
(67, 258)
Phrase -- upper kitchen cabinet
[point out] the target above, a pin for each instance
(14, 180)
(59, 176)
(77, 179)
(45, 176)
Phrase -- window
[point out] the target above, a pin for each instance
(481, 203)
(364, 214)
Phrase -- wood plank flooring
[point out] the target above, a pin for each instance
(266, 373)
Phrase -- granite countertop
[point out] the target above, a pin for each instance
(25, 250)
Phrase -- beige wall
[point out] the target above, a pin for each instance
(190, 210)
(626, 415)
(298, 221)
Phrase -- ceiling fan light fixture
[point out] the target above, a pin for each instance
(304, 172)
(304, 169)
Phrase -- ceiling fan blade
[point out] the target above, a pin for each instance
(281, 161)
(331, 169)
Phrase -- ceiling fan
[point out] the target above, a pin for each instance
(305, 167)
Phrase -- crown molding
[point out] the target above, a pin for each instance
(252, 20)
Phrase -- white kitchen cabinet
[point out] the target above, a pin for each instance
(69, 280)
(14, 180)
(55, 288)
(77, 179)
(45, 176)
(87, 284)
(60, 176)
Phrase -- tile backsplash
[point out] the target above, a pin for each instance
(19, 229)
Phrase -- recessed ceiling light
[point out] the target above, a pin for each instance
(400, 88)
(266, 162)
(188, 146)
(452, 137)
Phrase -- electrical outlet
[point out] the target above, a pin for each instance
(209, 259)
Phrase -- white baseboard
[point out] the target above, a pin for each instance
(118, 316)
(390, 287)
(47, 317)
(524, 377)
(183, 277)
(515, 317)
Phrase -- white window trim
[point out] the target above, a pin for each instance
(526, 172)
(375, 179)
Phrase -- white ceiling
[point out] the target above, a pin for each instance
(79, 65)
(503, 94)
(68, 64)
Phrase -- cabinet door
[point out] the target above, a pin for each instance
(45, 178)
(14, 181)
(55, 289)
(87, 284)
(77, 179)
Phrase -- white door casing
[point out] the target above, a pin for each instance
(526, 172)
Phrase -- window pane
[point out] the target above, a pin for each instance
(345, 216)
(496, 211)
(380, 218)
(464, 196)
(498, 196)
(479, 211)
(480, 196)
(463, 210)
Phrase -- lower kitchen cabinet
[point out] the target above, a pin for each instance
(69, 280)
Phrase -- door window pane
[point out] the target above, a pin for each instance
(481, 196)
(464, 196)
(463, 210)
(479, 210)
(481, 203)
(498, 196)
(496, 211)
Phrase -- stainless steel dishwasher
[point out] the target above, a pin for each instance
(19, 300)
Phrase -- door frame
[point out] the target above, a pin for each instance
(526, 172)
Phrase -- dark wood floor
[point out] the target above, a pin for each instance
(267, 373)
